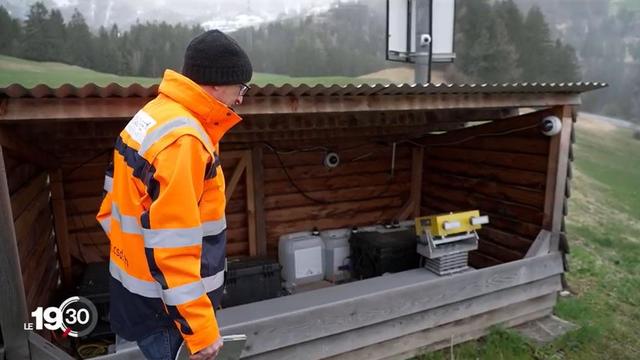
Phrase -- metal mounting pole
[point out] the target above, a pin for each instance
(422, 69)
(422, 40)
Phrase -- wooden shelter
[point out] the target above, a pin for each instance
(405, 151)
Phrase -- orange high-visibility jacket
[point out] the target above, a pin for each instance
(163, 212)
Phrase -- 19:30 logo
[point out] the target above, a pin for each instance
(76, 317)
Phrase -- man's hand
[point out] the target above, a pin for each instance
(208, 353)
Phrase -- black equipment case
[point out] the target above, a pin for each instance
(376, 253)
(251, 279)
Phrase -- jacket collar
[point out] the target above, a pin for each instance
(216, 117)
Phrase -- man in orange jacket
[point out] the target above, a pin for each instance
(164, 204)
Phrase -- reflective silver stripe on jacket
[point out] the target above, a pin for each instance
(174, 296)
(150, 289)
(214, 227)
(166, 128)
(106, 224)
(108, 183)
(183, 293)
(172, 238)
(213, 282)
(128, 224)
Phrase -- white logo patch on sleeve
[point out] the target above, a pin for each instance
(138, 126)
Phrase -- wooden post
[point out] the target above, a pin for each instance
(416, 180)
(412, 207)
(237, 173)
(13, 304)
(257, 178)
(60, 223)
(540, 245)
(557, 178)
(251, 205)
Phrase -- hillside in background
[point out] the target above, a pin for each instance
(31, 73)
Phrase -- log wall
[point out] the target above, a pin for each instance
(499, 168)
(362, 190)
(31, 206)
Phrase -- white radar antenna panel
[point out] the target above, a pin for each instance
(419, 27)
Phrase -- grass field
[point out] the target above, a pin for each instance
(31, 73)
(604, 234)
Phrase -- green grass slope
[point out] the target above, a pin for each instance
(31, 73)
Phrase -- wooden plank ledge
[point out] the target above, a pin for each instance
(283, 322)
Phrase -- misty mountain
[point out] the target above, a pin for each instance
(226, 15)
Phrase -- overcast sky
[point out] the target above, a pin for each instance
(226, 15)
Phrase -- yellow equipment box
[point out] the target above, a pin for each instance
(449, 224)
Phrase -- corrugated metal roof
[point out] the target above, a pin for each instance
(137, 90)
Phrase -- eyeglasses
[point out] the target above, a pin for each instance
(243, 89)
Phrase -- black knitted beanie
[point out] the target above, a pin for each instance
(213, 58)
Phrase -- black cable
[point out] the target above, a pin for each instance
(468, 138)
(319, 201)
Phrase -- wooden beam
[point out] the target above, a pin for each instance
(321, 104)
(233, 154)
(235, 178)
(358, 120)
(251, 205)
(431, 319)
(283, 322)
(523, 122)
(416, 180)
(118, 108)
(558, 163)
(13, 300)
(540, 245)
(60, 221)
(412, 207)
(25, 150)
(385, 132)
(68, 109)
(454, 333)
(407, 209)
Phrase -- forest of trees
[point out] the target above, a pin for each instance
(143, 50)
(503, 45)
(348, 40)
